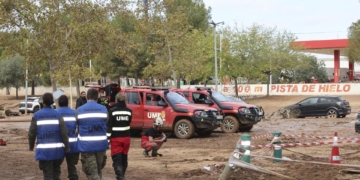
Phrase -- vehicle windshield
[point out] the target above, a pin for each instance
(176, 98)
(30, 100)
(219, 97)
(235, 99)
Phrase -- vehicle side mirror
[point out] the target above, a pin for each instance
(162, 103)
(209, 101)
(299, 104)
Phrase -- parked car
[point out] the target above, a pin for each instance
(239, 116)
(33, 105)
(357, 122)
(329, 106)
(180, 116)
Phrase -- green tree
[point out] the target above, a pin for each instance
(353, 52)
(313, 69)
(127, 52)
(197, 56)
(254, 52)
(12, 73)
(197, 14)
(61, 32)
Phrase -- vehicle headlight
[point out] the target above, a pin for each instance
(244, 110)
(201, 113)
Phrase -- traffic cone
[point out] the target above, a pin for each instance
(335, 154)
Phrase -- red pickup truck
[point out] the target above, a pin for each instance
(238, 116)
(181, 117)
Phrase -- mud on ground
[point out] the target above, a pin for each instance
(185, 159)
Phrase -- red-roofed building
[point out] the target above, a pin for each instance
(336, 47)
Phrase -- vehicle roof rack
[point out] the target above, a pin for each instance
(203, 88)
(141, 87)
(159, 88)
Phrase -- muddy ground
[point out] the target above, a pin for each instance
(185, 159)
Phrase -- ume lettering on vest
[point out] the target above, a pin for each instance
(46, 135)
(95, 128)
(122, 118)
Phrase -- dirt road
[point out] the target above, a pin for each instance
(185, 159)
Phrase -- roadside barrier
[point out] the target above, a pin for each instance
(319, 137)
(301, 161)
(237, 156)
(261, 136)
(304, 144)
(303, 136)
(242, 147)
(246, 142)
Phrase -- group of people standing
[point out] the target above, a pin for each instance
(86, 133)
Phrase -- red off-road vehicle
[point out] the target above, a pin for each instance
(238, 115)
(180, 116)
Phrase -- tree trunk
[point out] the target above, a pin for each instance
(236, 88)
(32, 87)
(7, 90)
(53, 83)
(268, 84)
(78, 89)
(178, 83)
(127, 81)
(136, 80)
(17, 94)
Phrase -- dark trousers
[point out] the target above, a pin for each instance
(51, 169)
(72, 160)
(120, 164)
(92, 164)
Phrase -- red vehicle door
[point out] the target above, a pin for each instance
(153, 110)
(134, 103)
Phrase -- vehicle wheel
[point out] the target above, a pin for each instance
(204, 133)
(36, 109)
(246, 129)
(342, 116)
(22, 112)
(332, 113)
(230, 124)
(184, 129)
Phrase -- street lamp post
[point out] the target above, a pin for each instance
(215, 51)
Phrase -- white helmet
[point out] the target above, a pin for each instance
(158, 122)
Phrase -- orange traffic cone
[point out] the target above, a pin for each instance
(335, 154)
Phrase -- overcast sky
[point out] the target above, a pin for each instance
(308, 19)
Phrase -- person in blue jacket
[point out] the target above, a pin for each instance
(49, 129)
(69, 116)
(92, 140)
